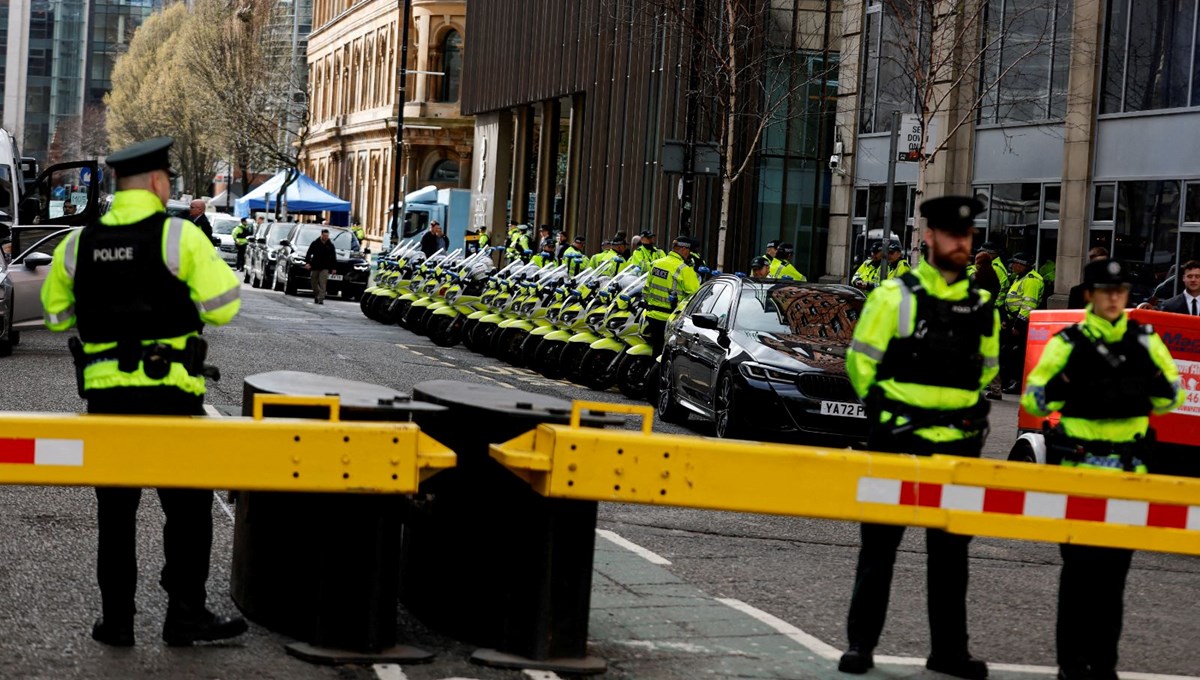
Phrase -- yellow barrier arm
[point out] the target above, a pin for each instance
(219, 453)
(962, 495)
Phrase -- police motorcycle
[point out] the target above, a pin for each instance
(530, 312)
(495, 294)
(426, 279)
(445, 320)
(500, 306)
(393, 273)
(416, 319)
(543, 344)
(591, 355)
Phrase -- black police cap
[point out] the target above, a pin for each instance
(647, 234)
(142, 157)
(1105, 274)
(877, 247)
(895, 247)
(1021, 258)
(619, 241)
(954, 214)
(773, 244)
(758, 262)
(580, 239)
(786, 248)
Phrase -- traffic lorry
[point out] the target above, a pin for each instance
(1176, 447)
(450, 207)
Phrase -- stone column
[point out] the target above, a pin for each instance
(841, 194)
(1079, 130)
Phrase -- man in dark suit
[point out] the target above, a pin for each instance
(1187, 302)
(198, 218)
(1076, 299)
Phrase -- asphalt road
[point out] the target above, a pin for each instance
(797, 570)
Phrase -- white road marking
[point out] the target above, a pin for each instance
(814, 645)
(212, 411)
(223, 504)
(826, 651)
(540, 675)
(651, 557)
(389, 671)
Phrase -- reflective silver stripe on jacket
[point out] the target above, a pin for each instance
(991, 362)
(70, 253)
(174, 236)
(863, 348)
(65, 315)
(904, 324)
(221, 300)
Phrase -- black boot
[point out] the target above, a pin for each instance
(185, 626)
(1074, 673)
(114, 632)
(960, 666)
(856, 660)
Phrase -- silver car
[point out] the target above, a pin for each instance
(222, 226)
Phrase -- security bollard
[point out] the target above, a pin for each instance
(490, 561)
(324, 568)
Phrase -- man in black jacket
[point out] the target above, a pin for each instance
(320, 259)
(198, 218)
(434, 240)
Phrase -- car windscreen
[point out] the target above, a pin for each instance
(277, 233)
(790, 309)
(342, 240)
(223, 226)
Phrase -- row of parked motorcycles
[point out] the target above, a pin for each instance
(584, 326)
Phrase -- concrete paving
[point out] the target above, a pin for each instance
(743, 596)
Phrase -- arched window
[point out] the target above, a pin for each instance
(444, 171)
(451, 65)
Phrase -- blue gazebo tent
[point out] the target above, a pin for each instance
(304, 195)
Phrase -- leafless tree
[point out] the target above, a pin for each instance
(955, 64)
(257, 91)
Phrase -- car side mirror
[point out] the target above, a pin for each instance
(285, 242)
(35, 260)
(706, 321)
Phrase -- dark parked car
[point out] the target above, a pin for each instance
(263, 252)
(765, 359)
(349, 276)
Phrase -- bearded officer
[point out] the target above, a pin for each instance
(140, 286)
(923, 349)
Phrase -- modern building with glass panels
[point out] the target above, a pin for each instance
(582, 123)
(72, 46)
(1080, 123)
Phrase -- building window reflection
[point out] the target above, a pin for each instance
(451, 66)
(1149, 58)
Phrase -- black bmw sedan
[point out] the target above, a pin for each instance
(765, 359)
(349, 275)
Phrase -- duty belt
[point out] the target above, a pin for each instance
(1062, 447)
(972, 419)
(154, 359)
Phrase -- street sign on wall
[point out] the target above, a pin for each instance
(910, 138)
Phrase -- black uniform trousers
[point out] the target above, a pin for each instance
(946, 572)
(187, 535)
(656, 332)
(1012, 350)
(241, 257)
(1091, 606)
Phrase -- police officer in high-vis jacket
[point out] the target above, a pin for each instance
(140, 286)
(671, 282)
(923, 349)
(1105, 376)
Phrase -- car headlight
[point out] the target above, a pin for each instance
(297, 259)
(766, 373)
(362, 267)
(272, 256)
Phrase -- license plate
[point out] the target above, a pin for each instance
(842, 408)
(335, 277)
